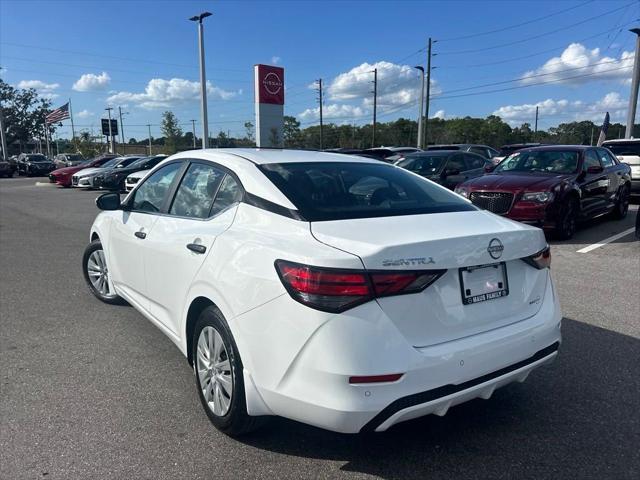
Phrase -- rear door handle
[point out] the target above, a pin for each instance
(141, 235)
(196, 247)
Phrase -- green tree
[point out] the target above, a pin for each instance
(291, 132)
(171, 131)
(24, 111)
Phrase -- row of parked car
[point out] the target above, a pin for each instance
(555, 187)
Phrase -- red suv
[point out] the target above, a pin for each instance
(554, 187)
(62, 176)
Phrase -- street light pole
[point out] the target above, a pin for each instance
(635, 82)
(149, 127)
(419, 145)
(203, 82)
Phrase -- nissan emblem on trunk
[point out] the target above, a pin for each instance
(495, 248)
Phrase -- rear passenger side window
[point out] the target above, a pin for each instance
(474, 162)
(196, 192)
(228, 194)
(479, 151)
(605, 158)
(590, 160)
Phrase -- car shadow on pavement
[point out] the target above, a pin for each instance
(575, 418)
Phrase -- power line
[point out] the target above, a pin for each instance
(534, 76)
(541, 52)
(529, 85)
(534, 37)
(502, 29)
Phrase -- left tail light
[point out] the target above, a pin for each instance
(540, 260)
(335, 290)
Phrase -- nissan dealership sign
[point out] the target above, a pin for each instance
(269, 102)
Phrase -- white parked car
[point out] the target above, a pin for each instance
(132, 180)
(628, 151)
(84, 178)
(335, 290)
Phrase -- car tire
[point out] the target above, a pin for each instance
(226, 410)
(567, 221)
(622, 204)
(96, 274)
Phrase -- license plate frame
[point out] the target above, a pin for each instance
(471, 297)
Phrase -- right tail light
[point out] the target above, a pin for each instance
(540, 260)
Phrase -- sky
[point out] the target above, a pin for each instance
(572, 59)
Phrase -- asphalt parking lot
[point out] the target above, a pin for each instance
(96, 391)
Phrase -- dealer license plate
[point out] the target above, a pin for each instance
(483, 282)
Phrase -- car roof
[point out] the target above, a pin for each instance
(551, 148)
(622, 141)
(261, 156)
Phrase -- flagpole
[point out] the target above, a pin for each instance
(73, 130)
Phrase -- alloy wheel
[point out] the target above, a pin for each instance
(98, 273)
(214, 371)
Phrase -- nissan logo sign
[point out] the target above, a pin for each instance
(495, 248)
(272, 83)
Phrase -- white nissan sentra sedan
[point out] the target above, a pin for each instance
(338, 291)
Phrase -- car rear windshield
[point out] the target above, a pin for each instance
(37, 158)
(423, 163)
(625, 148)
(544, 161)
(324, 191)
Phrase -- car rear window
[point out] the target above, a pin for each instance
(324, 191)
(631, 148)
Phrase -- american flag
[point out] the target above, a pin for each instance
(58, 114)
(603, 130)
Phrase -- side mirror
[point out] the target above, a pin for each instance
(451, 171)
(489, 167)
(595, 169)
(108, 201)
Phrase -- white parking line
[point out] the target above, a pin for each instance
(612, 238)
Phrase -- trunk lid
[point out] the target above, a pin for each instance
(448, 241)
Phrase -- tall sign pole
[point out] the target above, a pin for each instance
(112, 148)
(149, 127)
(203, 80)
(635, 82)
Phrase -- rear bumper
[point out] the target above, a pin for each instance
(314, 387)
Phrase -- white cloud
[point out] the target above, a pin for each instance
(91, 82)
(275, 60)
(45, 90)
(332, 112)
(85, 114)
(577, 60)
(565, 110)
(161, 93)
(439, 114)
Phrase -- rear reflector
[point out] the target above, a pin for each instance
(540, 260)
(336, 290)
(376, 378)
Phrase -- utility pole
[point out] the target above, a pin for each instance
(112, 148)
(635, 82)
(535, 128)
(3, 138)
(203, 81)
(421, 69)
(591, 141)
(149, 127)
(121, 130)
(426, 117)
(193, 125)
(375, 106)
(320, 103)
